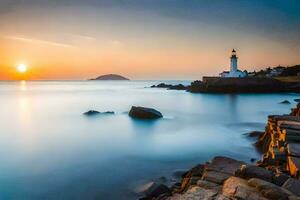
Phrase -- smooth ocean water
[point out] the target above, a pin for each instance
(49, 150)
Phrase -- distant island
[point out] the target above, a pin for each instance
(110, 77)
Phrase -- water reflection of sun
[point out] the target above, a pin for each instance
(23, 85)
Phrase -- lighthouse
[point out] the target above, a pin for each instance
(233, 62)
(234, 71)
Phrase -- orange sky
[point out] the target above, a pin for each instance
(80, 42)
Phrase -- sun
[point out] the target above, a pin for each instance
(22, 68)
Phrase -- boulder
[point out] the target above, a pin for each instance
(224, 165)
(285, 102)
(208, 185)
(230, 185)
(280, 179)
(179, 173)
(247, 193)
(221, 197)
(169, 86)
(197, 192)
(238, 188)
(215, 177)
(144, 113)
(197, 170)
(269, 190)
(252, 171)
(192, 176)
(95, 112)
(294, 166)
(91, 113)
(292, 185)
(255, 134)
(155, 190)
(161, 85)
(177, 87)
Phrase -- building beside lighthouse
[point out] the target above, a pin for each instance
(234, 71)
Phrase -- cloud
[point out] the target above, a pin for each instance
(83, 37)
(38, 41)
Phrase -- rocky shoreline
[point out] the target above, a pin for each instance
(274, 177)
(235, 85)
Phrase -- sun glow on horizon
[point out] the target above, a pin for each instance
(22, 68)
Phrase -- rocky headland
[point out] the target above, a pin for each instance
(275, 177)
(236, 85)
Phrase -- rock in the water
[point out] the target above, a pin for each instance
(91, 112)
(156, 190)
(285, 102)
(144, 113)
(161, 85)
(179, 173)
(252, 171)
(255, 134)
(169, 86)
(177, 87)
(292, 185)
(95, 112)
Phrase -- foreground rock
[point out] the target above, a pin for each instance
(144, 113)
(225, 178)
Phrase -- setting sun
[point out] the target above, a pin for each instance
(22, 68)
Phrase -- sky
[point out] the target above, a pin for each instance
(145, 39)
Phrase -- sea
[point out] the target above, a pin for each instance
(50, 150)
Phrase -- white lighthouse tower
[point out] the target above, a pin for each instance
(233, 62)
(234, 71)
